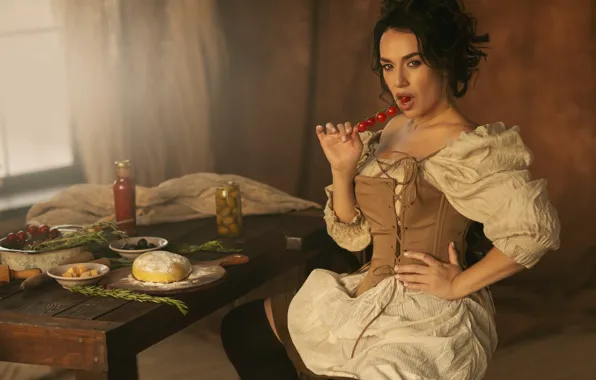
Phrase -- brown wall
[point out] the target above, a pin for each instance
(264, 116)
(296, 63)
(540, 75)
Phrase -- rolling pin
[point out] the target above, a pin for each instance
(43, 278)
(7, 274)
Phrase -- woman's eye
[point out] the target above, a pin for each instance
(415, 63)
(387, 67)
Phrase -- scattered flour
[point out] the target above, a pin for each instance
(200, 275)
(160, 261)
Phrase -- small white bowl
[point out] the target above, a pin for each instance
(132, 254)
(67, 282)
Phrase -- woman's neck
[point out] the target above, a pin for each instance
(441, 112)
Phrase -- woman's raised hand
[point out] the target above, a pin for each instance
(342, 146)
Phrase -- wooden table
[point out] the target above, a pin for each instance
(100, 337)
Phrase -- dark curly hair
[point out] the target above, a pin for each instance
(446, 35)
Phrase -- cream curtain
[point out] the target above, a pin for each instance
(144, 77)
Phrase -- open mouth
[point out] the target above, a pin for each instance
(405, 102)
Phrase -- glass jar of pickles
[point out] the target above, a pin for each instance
(228, 209)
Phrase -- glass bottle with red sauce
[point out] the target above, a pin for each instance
(125, 198)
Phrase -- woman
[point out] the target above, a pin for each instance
(412, 190)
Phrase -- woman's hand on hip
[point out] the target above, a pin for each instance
(435, 277)
(342, 147)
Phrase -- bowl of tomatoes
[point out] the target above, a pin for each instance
(27, 239)
(23, 249)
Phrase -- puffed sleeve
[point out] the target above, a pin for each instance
(355, 234)
(485, 176)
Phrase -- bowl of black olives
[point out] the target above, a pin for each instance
(130, 248)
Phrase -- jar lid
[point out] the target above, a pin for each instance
(123, 164)
(227, 183)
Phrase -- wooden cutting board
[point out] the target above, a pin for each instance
(203, 273)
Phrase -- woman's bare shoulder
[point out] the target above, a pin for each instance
(396, 123)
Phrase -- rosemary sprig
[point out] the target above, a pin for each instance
(95, 233)
(119, 262)
(98, 291)
(210, 246)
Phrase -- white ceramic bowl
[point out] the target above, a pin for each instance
(132, 254)
(67, 282)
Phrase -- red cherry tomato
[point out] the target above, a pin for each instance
(32, 229)
(392, 111)
(361, 126)
(12, 237)
(22, 235)
(381, 117)
(43, 229)
(370, 122)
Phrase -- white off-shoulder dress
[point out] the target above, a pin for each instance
(484, 175)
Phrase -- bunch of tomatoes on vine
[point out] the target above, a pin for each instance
(30, 237)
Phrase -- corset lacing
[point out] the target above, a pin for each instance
(384, 270)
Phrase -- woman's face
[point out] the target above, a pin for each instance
(417, 89)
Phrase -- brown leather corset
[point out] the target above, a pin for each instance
(426, 222)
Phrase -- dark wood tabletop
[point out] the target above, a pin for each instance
(100, 337)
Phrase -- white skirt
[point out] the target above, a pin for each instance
(418, 336)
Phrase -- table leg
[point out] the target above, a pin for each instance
(118, 369)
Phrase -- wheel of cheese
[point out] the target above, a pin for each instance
(161, 266)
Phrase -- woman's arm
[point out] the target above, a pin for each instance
(344, 220)
(486, 178)
(493, 267)
(343, 196)
(447, 280)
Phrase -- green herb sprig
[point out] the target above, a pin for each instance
(98, 291)
(119, 262)
(210, 246)
(96, 233)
